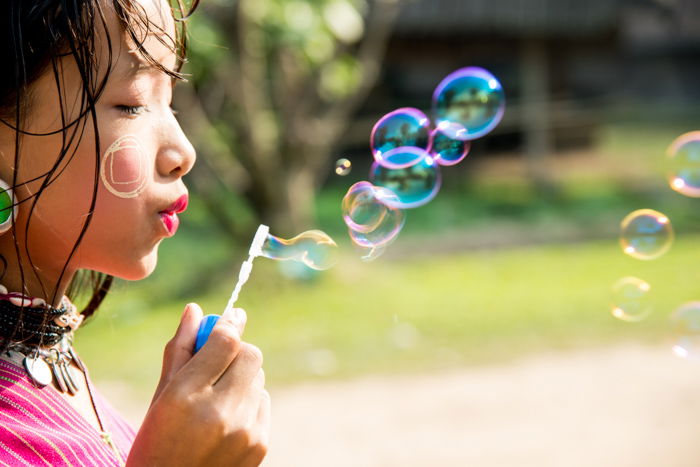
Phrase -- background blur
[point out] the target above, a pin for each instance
(484, 335)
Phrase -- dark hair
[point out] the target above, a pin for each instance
(35, 35)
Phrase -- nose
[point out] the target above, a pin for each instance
(177, 155)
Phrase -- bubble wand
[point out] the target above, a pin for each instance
(255, 250)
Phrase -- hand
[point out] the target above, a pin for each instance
(209, 409)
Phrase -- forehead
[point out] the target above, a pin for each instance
(151, 31)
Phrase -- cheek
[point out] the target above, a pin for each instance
(124, 170)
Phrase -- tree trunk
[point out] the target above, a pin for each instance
(535, 112)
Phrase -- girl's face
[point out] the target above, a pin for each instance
(144, 155)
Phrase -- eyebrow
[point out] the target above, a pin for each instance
(136, 67)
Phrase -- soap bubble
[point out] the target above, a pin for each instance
(630, 299)
(685, 322)
(297, 271)
(447, 151)
(684, 164)
(371, 220)
(402, 157)
(468, 103)
(343, 167)
(394, 132)
(646, 234)
(314, 248)
(363, 206)
(370, 254)
(414, 186)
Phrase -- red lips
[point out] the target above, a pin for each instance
(178, 206)
(169, 215)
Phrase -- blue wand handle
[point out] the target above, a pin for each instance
(205, 328)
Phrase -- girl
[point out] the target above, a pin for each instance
(91, 167)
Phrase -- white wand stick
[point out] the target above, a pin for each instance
(209, 321)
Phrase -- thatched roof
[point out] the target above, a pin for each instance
(509, 17)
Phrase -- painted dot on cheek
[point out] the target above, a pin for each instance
(124, 169)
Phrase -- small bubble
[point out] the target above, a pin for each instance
(447, 151)
(399, 132)
(371, 219)
(646, 234)
(685, 322)
(405, 336)
(343, 167)
(683, 156)
(321, 362)
(630, 299)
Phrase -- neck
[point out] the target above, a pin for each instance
(35, 278)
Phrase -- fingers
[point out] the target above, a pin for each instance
(222, 347)
(240, 320)
(239, 377)
(264, 412)
(259, 432)
(178, 350)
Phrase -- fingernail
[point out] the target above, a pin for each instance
(229, 314)
(236, 315)
(241, 316)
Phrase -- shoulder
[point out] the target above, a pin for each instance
(35, 428)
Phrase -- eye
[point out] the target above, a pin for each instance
(132, 110)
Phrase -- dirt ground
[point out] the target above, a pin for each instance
(623, 406)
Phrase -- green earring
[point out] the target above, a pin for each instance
(7, 207)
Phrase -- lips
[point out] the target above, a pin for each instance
(169, 215)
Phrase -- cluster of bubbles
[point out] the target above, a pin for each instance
(409, 151)
(647, 234)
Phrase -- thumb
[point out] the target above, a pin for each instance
(178, 350)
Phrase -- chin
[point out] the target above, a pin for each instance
(136, 270)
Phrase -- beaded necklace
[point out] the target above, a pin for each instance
(43, 334)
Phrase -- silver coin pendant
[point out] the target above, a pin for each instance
(38, 370)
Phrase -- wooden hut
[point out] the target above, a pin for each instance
(564, 64)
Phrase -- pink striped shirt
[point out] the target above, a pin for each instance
(39, 427)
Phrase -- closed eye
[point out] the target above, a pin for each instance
(132, 110)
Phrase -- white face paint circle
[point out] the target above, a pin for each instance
(124, 170)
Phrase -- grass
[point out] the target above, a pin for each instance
(409, 315)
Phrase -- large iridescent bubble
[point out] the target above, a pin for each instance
(684, 164)
(397, 133)
(367, 211)
(646, 234)
(468, 104)
(314, 248)
(414, 186)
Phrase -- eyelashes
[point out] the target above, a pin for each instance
(134, 110)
